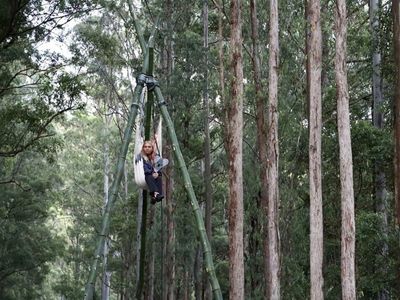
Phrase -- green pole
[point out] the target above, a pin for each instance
(193, 201)
(149, 105)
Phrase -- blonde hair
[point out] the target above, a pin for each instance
(153, 153)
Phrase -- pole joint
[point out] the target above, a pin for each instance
(148, 80)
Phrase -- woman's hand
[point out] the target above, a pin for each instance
(155, 175)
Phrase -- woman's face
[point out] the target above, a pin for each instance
(147, 148)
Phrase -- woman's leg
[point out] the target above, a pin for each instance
(151, 183)
(159, 184)
(155, 187)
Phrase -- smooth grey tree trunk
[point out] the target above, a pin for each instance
(378, 121)
(273, 157)
(315, 125)
(346, 161)
(106, 280)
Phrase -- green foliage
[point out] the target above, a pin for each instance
(27, 241)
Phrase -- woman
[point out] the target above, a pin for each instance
(152, 176)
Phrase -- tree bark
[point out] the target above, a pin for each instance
(170, 245)
(315, 125)
(106, 280)
(273, 157)
(261, 129)
(235, 136)
(207, 155)
(346, 161)
(396, 42)
(150, 257)
(396, 38)
(221, 74)
(186, 285)
(138, 235)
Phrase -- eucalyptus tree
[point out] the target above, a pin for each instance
(235, 152)
(260, 120)
(346, 162)
(315, 126)
(396, 39)
(273, 158)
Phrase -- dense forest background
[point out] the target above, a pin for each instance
(67, 76)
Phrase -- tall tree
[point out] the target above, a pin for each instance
(273, 157)
(221, 72)
(396, 41)
(378, 122)
(235, 152)
(261, 128)
(106, 280)
(207, 155)
(346, 161)
(315, 124)
(396, 37)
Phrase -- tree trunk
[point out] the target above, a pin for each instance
(315, 124)
(138, 234)
(346, 162)
(235, 136)
(186, 286)
(151, 272)
(273, 157)
(106, 280)
(207, 156)
(378, 121)
(396, 37)
(170, 245)
(150, 256)
(396, 42)
(221, 74)
(261, 129)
